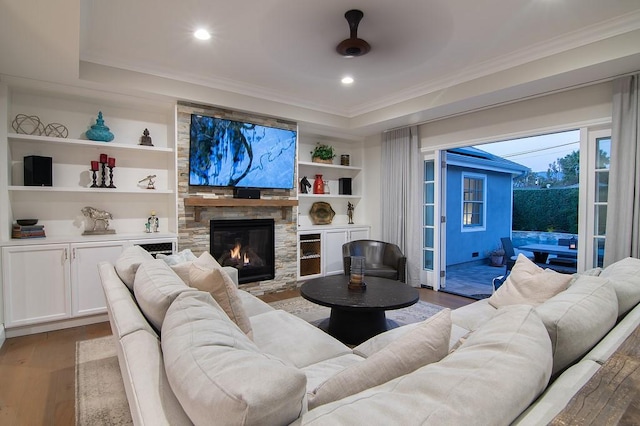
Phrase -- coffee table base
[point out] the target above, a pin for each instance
(353, 327)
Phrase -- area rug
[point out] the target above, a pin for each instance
(100, 394)
(315, 314)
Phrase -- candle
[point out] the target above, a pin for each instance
(112, 162)
(103, 158)
(94, 166)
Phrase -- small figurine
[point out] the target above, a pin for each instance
(153, 222)
(304, 185)
(145, 139)
(350, 209)
(150, 181)
(97, 215)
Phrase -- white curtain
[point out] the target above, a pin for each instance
(623, 206)
(401, 199)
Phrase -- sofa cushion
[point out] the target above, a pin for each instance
(155, 287)
(185, 255)
(427, 343)
(578, 318)
(219, 375)
(473, 315)
(625, 277)
(529, 284)
(128, 262)
(321, 371)
(293, 339)
(494, 376)
(207, 277)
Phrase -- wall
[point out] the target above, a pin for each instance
(195, 235)
(371, 196)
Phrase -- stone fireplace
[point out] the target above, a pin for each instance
(245, 244)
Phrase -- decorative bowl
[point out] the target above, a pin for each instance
(27, 222)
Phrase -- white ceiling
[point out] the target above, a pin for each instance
(429, 58)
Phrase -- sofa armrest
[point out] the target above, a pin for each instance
(232, 272)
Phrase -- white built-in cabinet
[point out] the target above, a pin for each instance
(320, 249)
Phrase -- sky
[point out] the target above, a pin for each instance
(536, 152)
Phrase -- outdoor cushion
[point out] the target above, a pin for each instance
(423, 345)
(155, 287)
(128, 262)
(219, 375)
(529, 284)
(625, 277)
(482, 383)
(578, 318)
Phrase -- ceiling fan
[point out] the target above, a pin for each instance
(353, 46)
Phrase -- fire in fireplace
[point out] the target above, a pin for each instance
(245, 244)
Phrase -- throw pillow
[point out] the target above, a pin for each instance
(217, 282)
(423, 345)
(182, 268)
(185, 255)
(128, 262)
(625, 277)
(529, 284)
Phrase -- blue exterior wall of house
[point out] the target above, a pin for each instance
(461, 245)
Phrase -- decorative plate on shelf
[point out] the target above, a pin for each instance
(321, 213)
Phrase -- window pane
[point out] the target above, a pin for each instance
(428, 260)
(428, 237)
(602, 184)
(428, 196)
(598, 252)
(429, 171)
(428, 215)
(600, 220)
(603, 147)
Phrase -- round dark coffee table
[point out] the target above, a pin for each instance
(358, 315)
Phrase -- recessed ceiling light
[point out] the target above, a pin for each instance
(347, 80)
(202, 34)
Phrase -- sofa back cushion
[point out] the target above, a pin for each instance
(625, 278)
(155, 287)
(424, 344)
(219, 375)
(529, 284)
(494, 376)
(128, 262)
(578, 318)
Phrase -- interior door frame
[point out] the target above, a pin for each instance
(435, 278)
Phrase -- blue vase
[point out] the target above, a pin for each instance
(99, 132)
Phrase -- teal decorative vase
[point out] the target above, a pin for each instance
(99, 132)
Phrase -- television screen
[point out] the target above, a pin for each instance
(240, 154)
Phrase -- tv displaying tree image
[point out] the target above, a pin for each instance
(228, 153)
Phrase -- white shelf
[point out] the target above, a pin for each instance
(329, 166)
(325, 196)
(86, 143)
(88, 190)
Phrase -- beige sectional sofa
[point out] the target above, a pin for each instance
(222, 356)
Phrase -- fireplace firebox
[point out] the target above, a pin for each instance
(245, 244)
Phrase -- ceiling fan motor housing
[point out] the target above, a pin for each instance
(353, 46)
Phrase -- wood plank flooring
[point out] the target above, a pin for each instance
(37, 372)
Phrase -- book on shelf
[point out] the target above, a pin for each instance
(31, 231)
(28, 228)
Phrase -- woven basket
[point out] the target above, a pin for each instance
(320, 160)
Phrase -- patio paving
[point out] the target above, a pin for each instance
(471, 280)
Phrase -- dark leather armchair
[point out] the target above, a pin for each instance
(381, 259)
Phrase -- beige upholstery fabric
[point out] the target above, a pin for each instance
(578, 318)
(474, 315)
(625, 277)
(214, 280)
(252, 305)
(616, 337)
(124, 315)
(423, 345)
(529, 284)
(205, 261)
(321, 371)
(219, 375)
(489, 380)
(155, 287)
(185, 255)
(277, 332)
(128, 262)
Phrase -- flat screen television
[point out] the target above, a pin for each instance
(227, 153)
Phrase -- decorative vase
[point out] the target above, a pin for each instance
(99, 132)
(318, 185)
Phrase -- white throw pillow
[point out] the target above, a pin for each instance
(625, 277)
(185, 255)
(425, 344)
(529, 284)
(128, 262)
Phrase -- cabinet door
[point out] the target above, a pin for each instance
(36, 284)
(87, 295)
(359, 234)
(333, 241)
(310, 255)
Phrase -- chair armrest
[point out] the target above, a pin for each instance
(402, 269)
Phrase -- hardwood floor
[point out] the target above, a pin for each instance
(37, 372)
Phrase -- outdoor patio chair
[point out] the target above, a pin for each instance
(563, 260)
(381, 259)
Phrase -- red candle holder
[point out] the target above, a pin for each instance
(103, 158)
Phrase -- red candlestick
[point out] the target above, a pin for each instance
(94, 166)
(112, 162)
(103, 158)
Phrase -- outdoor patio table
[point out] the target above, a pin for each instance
(542, 251)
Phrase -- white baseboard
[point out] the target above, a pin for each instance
(57, 325)
(3, 337)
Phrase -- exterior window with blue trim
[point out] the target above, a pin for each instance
(473, 201)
